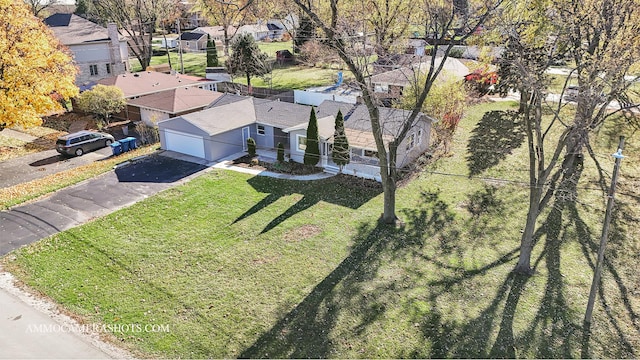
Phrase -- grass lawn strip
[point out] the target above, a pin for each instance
(241, 266)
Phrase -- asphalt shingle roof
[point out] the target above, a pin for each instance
(72, 29)
(191, 36)
(177, 100)
(147, 82)
(220, 119)
(281, 114)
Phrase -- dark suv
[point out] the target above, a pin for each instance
(80, 142)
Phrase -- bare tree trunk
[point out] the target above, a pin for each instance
(526, 242)
(389, 186)
(226, 41)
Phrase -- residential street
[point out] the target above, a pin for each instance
(31, 329)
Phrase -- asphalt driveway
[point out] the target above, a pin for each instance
(90, 199)
(44, 163)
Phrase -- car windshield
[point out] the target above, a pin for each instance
(61, 142)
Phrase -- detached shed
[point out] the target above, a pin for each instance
(209, 134)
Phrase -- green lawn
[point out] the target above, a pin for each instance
(240, 266)
(284, 77)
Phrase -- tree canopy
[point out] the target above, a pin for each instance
(36, 72)
(246, 58)
(340, 152)
(212, 53)
(137, 20)
(344, 25)
(103, 101)
(312, 149)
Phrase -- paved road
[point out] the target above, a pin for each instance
(44, 163)
(90, 199)
(30, 333)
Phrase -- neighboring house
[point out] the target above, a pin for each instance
(146, 83)
(216, 32)
(223, 129)
(390, 85)
(275, 31)
(192, 41)
(258, 31)
(169, 41)
(194, 16)
(171, 103)
(97, 51)
(416, 47)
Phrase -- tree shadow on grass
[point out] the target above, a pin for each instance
(336, 190)
(496, 135)
(354, 286)
(589, 245)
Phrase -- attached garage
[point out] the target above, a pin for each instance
(184, 143)
(209, 134)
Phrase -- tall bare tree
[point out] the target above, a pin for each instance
(599, 36)
(228, 14)
(336, 22)
(136, 20)
(37, 6)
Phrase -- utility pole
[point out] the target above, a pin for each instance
(605, 231)
(180, 46)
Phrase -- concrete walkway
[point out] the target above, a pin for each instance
(227, 164)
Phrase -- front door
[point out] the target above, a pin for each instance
(246, 134)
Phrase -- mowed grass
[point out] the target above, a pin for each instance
(241, 266)
(285, 77)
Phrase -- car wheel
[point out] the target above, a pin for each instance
(79, 152)
(107, 142)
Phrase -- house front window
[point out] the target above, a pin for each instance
(420, 136)
(108, 66)
(411, 141)
(381, 88)
(93, 70)
(301, 142)
(261, 130)
(371, 154)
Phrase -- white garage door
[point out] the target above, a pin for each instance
(184, 143)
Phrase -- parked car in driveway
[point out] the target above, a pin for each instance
(81, 142)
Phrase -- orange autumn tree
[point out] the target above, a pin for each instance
(35, 71)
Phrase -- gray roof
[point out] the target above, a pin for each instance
(228, 98)
(216, 120)
(192, 36)
(281, 114)
(72, 29)
(331, 108)
(406, 76)
(356, 117)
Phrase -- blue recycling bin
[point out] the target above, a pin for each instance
(132, 143)
(125, 144)
(116, 148)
